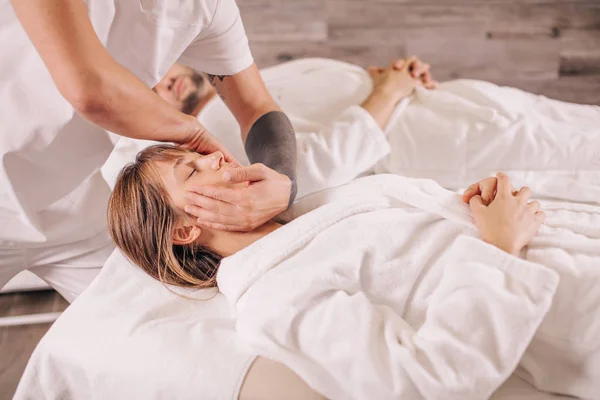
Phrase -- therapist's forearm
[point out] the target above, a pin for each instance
(99, 88)
(272, 141)
(124, 105)
(267, 133)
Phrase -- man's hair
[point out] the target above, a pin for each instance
(142, 220)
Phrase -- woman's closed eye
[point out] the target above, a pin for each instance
(202, 164)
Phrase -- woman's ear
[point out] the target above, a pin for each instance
(186, 234)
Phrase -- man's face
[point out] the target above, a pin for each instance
(181, 87)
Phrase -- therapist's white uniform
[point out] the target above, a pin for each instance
(52, 196)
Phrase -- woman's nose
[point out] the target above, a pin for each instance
(215, 160)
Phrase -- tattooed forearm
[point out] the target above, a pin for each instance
(212, 78)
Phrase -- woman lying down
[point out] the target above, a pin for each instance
(387, 287)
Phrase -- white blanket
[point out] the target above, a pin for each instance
(384, 292)
(467, 130)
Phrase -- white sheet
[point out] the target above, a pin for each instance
(385, 291)
(129, 337)
(467, 130)
(96, 347)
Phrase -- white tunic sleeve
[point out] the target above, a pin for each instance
(346, 148)
(222, 48)
(481, 317)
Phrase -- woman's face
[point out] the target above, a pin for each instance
(192, 170)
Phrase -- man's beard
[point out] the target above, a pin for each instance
(191, 102)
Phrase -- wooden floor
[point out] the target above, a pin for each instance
(543, 46)
(17, 343)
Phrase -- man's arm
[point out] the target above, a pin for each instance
(270, 143)
(266, 131)
(99, 88)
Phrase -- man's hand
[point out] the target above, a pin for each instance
(418, 69)
(204, 143)
(510, 221)
(391, 83)
(243, 208)
(390, 86)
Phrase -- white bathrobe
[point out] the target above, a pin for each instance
(385, 292)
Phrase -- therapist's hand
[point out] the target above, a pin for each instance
(201, 141)
(266, 195)
(510, 221)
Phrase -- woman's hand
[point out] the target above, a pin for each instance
(510, 221)
(241, 208)
(485, 188)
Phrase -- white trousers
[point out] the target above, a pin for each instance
(68, 268)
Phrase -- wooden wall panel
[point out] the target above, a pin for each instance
(368, 24)
(489, 59)
(268, 20)
(278, 52)
(532, 44)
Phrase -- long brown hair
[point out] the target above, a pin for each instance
(142, 219)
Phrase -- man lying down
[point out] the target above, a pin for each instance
(459, 133)
(387, 287)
